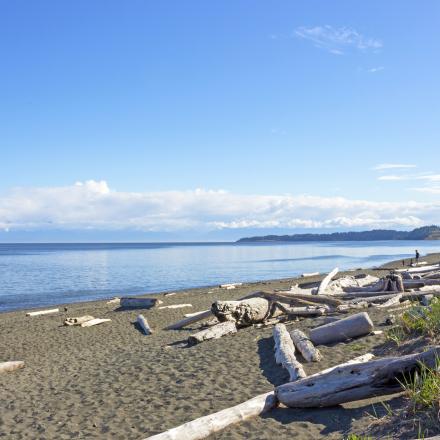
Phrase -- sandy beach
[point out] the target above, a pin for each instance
(113, 382)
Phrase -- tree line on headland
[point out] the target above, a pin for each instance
(424, 233)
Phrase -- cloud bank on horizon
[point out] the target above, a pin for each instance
(94, 205)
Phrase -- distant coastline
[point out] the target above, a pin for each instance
(424, 233)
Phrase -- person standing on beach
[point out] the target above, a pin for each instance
(417, 256)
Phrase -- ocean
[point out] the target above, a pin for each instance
(36, 275)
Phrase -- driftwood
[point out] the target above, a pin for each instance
(285, 296)
(195, 317)
(205, 426)
(354, 382)
(5, 367)
(43, 312)
(139, 303)
(395, 299)
(143, 324)
(78, 321)
(325, 282)
(95, 321)
(285, 353)
(302, 311)
(310, 274)
(114, 301)
(214, 332)
(305, 346)
(350, 327)
(175, 306)
(228, 286)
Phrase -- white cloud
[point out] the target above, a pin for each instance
(337, 40)
(392, 177)
(376, 69)
(389, 166)
(93, 205)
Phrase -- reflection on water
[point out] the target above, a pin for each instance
(34, 274)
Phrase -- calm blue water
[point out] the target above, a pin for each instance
(34, 275)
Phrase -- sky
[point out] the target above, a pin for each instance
(169, 120)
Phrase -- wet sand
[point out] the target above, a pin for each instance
(112, 382)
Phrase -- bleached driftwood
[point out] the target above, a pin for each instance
(394, 300)
(302, 311)
(143, 324)
(205, 426)
(43, 312)
(310, 274)
(95, 321)
(114, 301)
(354, 382)
(245, 312)
(214, 332)
(139, 303)
(420, 269)
(286, 296)
(5, 367)
(355, 325)
(326, 281)
(175, 306)
(357, 360)
(230, 285)
(79, 320)
(305, 346)
(285, 353)
(195, 317)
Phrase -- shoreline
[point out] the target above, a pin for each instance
(112, 381)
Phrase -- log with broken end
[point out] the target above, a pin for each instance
(285, 353)
(359, 324)
(305, 346)
(325, 282)
(205, 426)
(214, 332)
(6, 367)
(143, 324)
(354, 382)
(78, 320)
(394, 300)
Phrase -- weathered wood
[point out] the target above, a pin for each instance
(321, 299)
(326, 281)
(175, 306)
(95, 321)
(230, 285)
(143, 324)
(355, 325)
(139, 303)
(205, 426)
(114, 301)
(395, 299)
(78, 320)
(305, 346)
(310, 274)
(245, 312)
(354, 382)
(43, 312)
(6, 367)
(285, 353)
(195, 317)
(420, 269)
(302, 311)
(357, 360)
(214, 332)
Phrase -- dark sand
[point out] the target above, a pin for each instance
(112, 382)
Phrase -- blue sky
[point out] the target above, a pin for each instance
(205, 119)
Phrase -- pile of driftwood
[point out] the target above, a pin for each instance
(357, 379)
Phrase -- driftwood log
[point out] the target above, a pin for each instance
(285, 353)
(43, 312)
(175, 306)
(143, 324)
(5, 367)
(286, 296)
(305, 346)
(139, 303)
(205, 426)
(95, 321)
(325, 282)
(354, 382)
(79, 320)
(355, 325)
(195, 317)
(214, 332)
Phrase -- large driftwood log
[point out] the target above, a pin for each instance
(286, 296)
(95, 321)
(305, 346)
(205, 426)
(246, 312)
(285, 353)
(354, 382)
(10, 366)
(214, 332)
(143, 324)
(42, 312)
(175, 306)
(195, 317)
(139, 303)
(314, 310)
(355, 325)
(79, 320)
(395, 299)
(326, 281)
